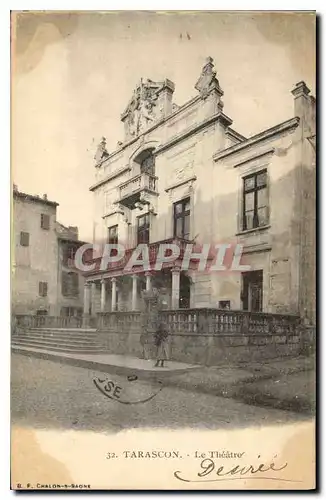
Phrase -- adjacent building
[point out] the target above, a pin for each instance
(44, 282)
(183, 174)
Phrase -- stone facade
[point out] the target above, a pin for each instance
(200, 158)
(37, 258)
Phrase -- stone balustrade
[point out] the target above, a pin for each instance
(45, 321)
(217, 321)
(202, 336)
(139, 182)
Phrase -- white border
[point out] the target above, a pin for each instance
(65, 5)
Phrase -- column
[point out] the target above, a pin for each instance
(103, 291)
(86, 298)
(93, 299)
(148, 282)
(175, 288)
(134, 293)
(114, 294)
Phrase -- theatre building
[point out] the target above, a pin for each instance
(183, 174)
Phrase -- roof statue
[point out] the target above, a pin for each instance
(207, 80)
(101, 152)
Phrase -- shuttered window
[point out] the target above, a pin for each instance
(24, 239)
(45, 221)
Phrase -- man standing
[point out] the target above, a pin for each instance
(161, 343)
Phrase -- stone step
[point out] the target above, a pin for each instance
(59, 347)
(77, 340)
(56, 341)
(50, 331)
(62, 330)
(54, 334)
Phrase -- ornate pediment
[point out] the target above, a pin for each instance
(143, 109)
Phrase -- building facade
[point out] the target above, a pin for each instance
(182, 174)
(43, 281)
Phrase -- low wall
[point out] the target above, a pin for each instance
(206, 349)
(210, 337)
(196, 336)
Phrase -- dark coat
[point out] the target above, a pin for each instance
(161, 335)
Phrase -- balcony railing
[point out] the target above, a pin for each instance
(153, 249)
(130, 190)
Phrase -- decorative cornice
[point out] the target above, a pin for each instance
(262, 247)
(266, 134)
(235, 134)
(114, 212)
(109, 177)
(254, 157)
(181, 183)
(193, 130)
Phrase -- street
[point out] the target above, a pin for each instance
(46, 394)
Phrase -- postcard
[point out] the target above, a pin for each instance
(163, 320)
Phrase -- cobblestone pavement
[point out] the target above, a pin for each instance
(54, 395)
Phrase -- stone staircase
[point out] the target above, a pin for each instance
(73, 340)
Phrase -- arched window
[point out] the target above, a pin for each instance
(146, 160)
(148, 165)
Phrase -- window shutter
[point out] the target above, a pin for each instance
(64, 283)
(45, 221)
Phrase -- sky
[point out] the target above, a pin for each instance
(74, 73)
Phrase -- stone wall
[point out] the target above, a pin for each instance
(207, 350)
(210, 337)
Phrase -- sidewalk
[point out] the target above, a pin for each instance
(287, 383)
(109, 363)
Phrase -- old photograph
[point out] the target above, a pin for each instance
(163, 250)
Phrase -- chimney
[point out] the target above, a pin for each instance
(165, 95)
(45, 196)
(300, 93)
(305, 108)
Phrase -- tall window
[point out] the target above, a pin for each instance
(45, 221)
(113, 235)
(252, 291)
(181, 213)
(68, 252)
(43, 288)
(69, 284)
(143, 229)
(255, 203)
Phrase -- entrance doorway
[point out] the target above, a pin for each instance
(252, 291)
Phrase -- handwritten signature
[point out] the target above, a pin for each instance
(209, 469)
(114, 391)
